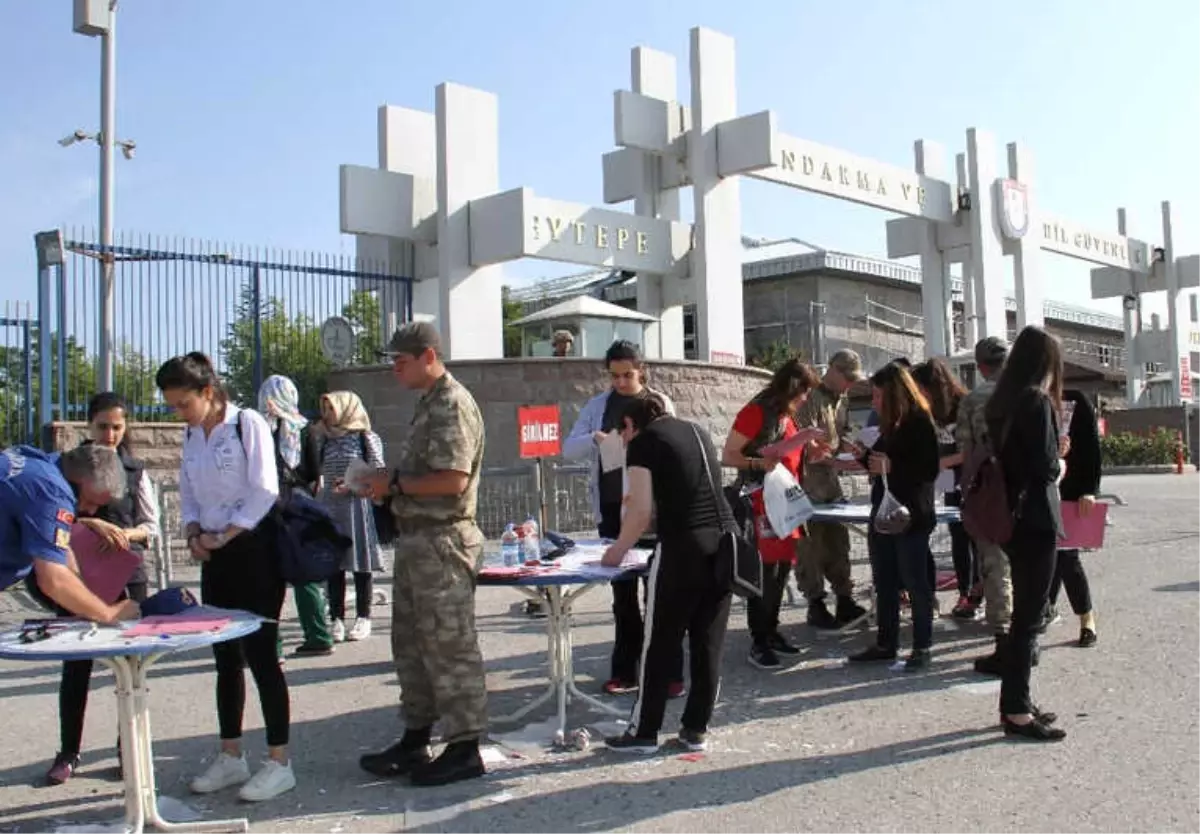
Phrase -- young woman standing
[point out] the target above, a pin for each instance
(344, 435)
(907, 455)
(128, 524)
(228, 483)
(1022, 419)
(764, 421)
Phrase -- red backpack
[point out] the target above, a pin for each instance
(985, 509)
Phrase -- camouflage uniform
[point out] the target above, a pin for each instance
(970, 431)
(438, 552)
(825, 552)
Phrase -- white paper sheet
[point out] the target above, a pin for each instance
(867, 435)
(612, 452)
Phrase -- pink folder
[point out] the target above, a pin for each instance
(104, 572)
(1083, 533)
(177, 624)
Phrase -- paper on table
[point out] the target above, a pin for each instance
(177, 624)
(612, 452)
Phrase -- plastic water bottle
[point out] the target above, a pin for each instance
(510, 548)
(530, 542)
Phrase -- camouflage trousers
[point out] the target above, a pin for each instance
(434, 642)
(997, 585)
(824, 553)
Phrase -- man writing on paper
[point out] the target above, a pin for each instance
(39, 493)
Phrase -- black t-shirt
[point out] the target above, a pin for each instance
(683, 490)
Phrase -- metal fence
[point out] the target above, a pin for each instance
(17, 332)
(254, 311)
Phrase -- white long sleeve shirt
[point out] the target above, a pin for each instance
(224, 481)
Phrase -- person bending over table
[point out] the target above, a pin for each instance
(39, 496)
(766, 420)
(601, 416)
(673, 467)
(129, 522)
(907, 454)
(228, 482)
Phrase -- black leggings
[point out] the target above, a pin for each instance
(362, 595)
(74, 684)
(244, 575)
(1069, 574)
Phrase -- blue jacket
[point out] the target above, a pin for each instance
(37, 509)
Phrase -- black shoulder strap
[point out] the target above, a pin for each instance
(724, 512)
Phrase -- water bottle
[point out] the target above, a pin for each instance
(510, 549)
(530, 542)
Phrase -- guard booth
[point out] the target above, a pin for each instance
(594, 325)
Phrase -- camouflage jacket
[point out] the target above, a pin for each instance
(446, 434)
(827, 410)
(971, 428)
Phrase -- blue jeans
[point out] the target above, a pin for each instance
(902, 560)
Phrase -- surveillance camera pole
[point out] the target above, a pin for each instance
(108, 119)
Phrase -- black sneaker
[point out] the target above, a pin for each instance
(313, 650)
(694, 740)
(779, 644)
(873, 654)
(459, 761)
(819, 616)
(629, 743)
(848, 611)
(763, 657)
(918, 661)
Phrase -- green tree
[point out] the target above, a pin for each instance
(512, 310)
(291, 346)
(773, 356)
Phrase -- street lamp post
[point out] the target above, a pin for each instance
(99, 18)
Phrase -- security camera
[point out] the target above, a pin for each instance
(77, 136)
(128, 149)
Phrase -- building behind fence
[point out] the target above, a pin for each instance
(255, 311)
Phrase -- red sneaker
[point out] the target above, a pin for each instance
(676, 690)
(619, 687)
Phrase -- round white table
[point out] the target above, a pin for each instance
(130, 658)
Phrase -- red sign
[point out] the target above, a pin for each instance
(720, 357)
(1185, 379)
(1102, 426)
(538, 432)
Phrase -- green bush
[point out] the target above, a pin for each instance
(1129, 449)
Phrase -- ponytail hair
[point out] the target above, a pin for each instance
(191, 372)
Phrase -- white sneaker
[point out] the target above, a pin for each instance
(225, 772)
(339, 631)
(274, 779)
(361, 629)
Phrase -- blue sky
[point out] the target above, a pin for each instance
(242, 111)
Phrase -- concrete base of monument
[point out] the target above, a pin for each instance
(707, 393)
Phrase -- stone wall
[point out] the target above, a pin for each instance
(709, 394)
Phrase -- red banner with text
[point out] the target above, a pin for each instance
(538, 431)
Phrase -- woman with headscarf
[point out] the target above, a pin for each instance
(346, 434)
(278, 402)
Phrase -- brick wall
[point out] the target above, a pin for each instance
(1171, 417)
(709, 394)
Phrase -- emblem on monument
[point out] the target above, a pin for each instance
(1014, 209)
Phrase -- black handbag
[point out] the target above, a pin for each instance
(739, 566)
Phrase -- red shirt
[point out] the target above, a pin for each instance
(749, 423)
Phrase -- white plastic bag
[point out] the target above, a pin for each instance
(892, 517)
(786, 503)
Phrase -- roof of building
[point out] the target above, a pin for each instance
(583, 306)
(765, 258)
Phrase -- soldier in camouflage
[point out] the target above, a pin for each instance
(971, 432)
(433, 497)
(824, 554)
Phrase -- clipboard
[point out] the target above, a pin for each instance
(104, 572)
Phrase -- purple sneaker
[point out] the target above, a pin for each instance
(64, 768)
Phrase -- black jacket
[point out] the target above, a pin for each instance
(1029, 454)
(915, 462)
(1083, 458)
